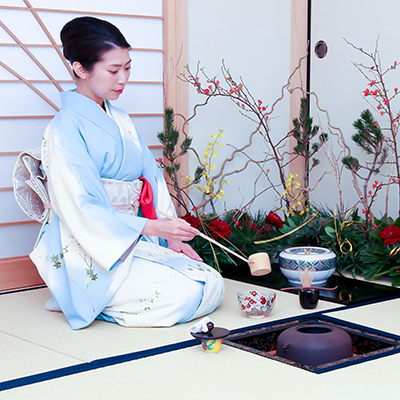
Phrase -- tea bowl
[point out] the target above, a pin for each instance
(256, 303)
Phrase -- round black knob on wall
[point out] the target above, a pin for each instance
(321, 49)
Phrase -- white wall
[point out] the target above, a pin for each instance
(339, 84)
(253, 38)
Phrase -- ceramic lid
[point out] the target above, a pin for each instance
(216, 333)
(307, 252)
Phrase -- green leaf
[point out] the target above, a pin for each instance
(330, 232)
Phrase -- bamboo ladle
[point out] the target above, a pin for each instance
(259, 263)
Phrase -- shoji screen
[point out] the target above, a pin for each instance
(32, 73)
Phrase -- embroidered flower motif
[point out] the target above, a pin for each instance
(220, 229)
(274, 219)
(390, 235)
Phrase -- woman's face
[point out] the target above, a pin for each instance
(107, 78)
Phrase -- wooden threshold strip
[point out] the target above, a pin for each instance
(51, 10)
(18, 273)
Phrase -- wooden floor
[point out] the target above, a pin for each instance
(42, 358)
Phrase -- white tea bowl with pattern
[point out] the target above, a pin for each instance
(293, 261)
(256, 303)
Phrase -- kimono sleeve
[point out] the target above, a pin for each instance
(80, 199)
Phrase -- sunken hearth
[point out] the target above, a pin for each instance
(366, 343)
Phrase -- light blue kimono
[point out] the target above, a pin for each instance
(81, 252)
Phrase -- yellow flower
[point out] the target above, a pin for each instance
(212, 167)
(214, 153)
(214, 135)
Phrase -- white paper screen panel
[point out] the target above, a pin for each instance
(17, 133)
(6, 167)
(143, 95)
(137, 7)
(9, 210)
(17, 240)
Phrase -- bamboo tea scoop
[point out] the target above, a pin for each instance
(259, 262)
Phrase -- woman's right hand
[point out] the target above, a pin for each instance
(170, 229)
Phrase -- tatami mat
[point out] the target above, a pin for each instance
(46, 342)
(231, 374)
(382, 316)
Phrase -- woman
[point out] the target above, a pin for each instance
(99, 259)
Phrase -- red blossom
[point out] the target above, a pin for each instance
(366, 91)
(372, 83)
(217, 83)
(220, 229)
(192, 220)
(206, 91)
(390, 235)
(395, 89)
(386, 102)
(274, 219)
(159, 160)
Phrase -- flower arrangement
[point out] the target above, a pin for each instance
(364, 242)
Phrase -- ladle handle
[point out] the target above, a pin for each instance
(209, 239)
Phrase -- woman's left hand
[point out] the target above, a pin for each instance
(184, 248)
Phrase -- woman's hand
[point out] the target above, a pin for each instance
(184, 248)
(170, 229)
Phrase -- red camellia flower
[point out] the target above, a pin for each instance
(274, 219)
(206, 91)
(390, 235)
(192, 220)
(220, 229)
